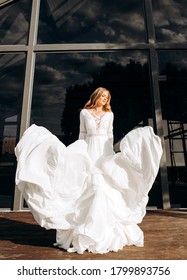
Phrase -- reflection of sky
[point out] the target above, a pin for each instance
(55, 73)
(65, 70)
(11, 81)
(11, 89)
(170, 18)
(92, 21)
(111, 21)
(14, 22)
(58, 68)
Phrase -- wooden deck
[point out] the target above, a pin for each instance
(165, 235)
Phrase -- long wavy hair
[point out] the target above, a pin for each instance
(93, 101)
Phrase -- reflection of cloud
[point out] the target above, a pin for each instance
(169, 11)
(174, 11)
(173, 36)
(94, 21)
(91, 11)
(160, 19)
(107, 30)
(136, 21)
(137, 56)
(48, 74)
(49, 95)
(79, 67)
(171, 20)
(128, 26)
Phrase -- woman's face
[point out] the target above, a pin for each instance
(102, 100)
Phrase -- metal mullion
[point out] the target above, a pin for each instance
(30, 63)
(28, 85)
(6, 2)
(148, 22)
(171, 46)
(159, 128)
(89, 47)
(157, 117)
(13, 48)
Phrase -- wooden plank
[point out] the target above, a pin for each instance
(165, 234)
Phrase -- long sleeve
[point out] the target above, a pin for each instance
(110, 129)
(82, 128)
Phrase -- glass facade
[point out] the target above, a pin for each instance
(12, 68)
(170, 19)
(14, 22)
(83, 21)
(63, 83)
(173, 91)
(54, 53)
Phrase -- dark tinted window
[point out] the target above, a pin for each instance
(12, 67)
(173, 90)
(170, 19)
(63, 83)
(91, 21)
(14, 22)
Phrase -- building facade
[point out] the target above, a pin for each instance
(54, 53)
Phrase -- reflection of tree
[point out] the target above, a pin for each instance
(174, 93)
(76, 97)
(129, 87)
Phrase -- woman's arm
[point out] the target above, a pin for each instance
(110, 129)
(82, 127)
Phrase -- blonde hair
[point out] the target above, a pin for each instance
(92, 102)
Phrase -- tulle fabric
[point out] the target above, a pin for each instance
(94, 204)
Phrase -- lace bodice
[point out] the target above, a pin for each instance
(91, 125)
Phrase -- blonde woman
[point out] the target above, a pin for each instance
(94, 198)
(96, 124)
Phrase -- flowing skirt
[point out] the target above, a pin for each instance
(94, 207)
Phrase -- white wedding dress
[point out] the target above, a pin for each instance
(93, 197)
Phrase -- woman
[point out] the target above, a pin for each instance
(94, 198)
(96, 124)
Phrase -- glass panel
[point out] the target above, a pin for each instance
(84, 21)
(173, 90)
(12, 67)
(14, 22)
(170, 19)
(63, 83)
